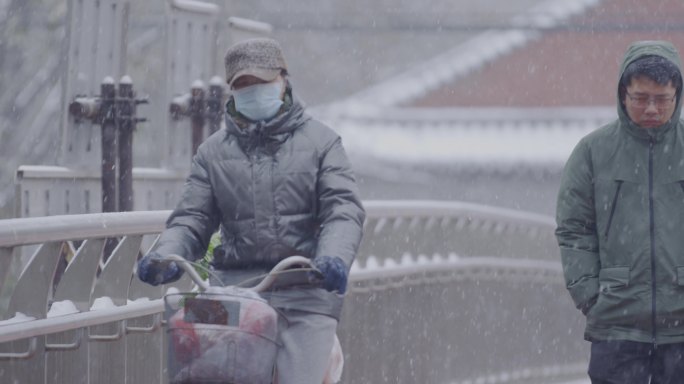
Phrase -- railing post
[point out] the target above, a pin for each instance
(127, 118)
(5, 265)
(215, 104)
(199, 108)
(107, 120)
(197, 120)
(116, 113)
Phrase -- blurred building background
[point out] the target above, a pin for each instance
(475, 100)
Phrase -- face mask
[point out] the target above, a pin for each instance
(259, 102)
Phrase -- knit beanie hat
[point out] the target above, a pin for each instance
(260, 57)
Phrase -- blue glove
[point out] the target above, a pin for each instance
(154, 270)
(333, 273)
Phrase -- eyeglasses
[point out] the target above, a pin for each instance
(660, 102)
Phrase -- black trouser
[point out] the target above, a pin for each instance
(628, 362)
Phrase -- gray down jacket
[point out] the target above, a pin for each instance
(277, 188)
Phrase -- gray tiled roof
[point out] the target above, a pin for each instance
(467, 56)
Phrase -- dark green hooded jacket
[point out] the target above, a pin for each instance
(620, 219)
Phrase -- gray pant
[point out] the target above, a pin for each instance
(305, 340)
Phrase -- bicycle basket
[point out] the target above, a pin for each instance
(227, 337)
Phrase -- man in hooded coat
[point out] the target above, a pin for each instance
(620, 217)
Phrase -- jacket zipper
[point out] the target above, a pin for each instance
(612, 209)
(254, 155)
(652, 233)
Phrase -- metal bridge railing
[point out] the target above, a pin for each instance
(441, 292)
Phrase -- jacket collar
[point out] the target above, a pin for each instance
(252, 134)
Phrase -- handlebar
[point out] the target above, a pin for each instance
(284, 265)
(280, 267)
(187, 266)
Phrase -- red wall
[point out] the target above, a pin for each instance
(576, 65)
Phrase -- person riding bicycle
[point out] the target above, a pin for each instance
(277, 183)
